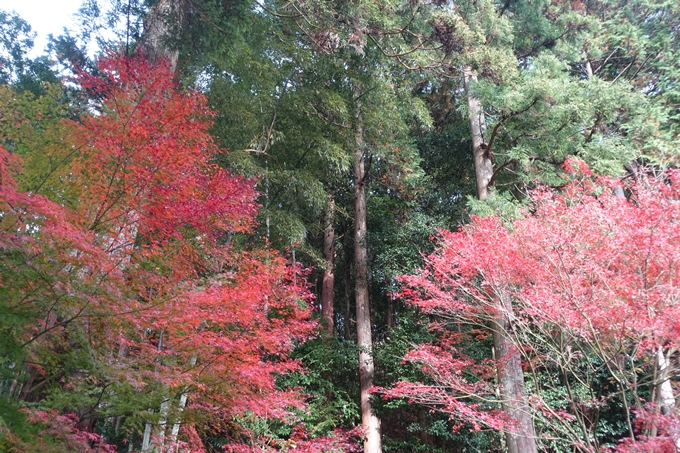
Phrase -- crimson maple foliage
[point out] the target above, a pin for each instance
(131, 269)
(146, 168)
(593, 279)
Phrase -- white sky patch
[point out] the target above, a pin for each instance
(45, 17)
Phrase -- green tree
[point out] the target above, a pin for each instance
(16, 68)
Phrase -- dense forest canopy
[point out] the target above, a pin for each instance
(335, 226)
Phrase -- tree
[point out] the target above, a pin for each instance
(533, 125)
(369, 420)
(328, 282)
(592, 279)
(49, 270)
(129, 283)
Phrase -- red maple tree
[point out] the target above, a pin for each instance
(132, 263)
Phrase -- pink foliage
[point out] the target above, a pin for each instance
(63, 430)
(666, 425)
(601, 266)
(339, 442)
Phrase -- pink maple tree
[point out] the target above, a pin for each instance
(591, 274)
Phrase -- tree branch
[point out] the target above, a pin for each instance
(505, 117)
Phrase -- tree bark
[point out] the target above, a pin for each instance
(522, 439)
(665, 389)
(480, 150)
(146, 438)
(391, 321)
(328, 283)
(369, 421)
(162, 426)
(164, 22)
(149, 443)
(509, 368)
(348, 293)
(174, 441)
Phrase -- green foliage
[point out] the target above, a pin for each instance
(16, 41)
(330, 378)
(500, 204)
(32, 128)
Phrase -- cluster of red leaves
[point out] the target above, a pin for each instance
(602, 266)
(145, 164)
(240, 327)
(52, 267)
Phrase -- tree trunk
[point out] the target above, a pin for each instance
(348, 294)
(369, 421)
(164, 22)
(173, 441)
(328, 284)
(665, 389)
(162, 426)
(480, 151)
(391, 321)
(149, 441)
(522, 439)
(146, 438)
(510, 373)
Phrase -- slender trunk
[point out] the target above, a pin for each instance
(665, 391)
(589, 70)
(480, 151)
(12, 388)
(348, 295)
(146, 439)
(173, 441)
(163, 23)
(369, 420)
(391, 321)
(521, 439)
(328, 284)
(162, 425)
(294, 261)
(510, 373)
(27, 388)
(664, 388)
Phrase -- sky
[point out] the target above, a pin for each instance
(44, 16)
